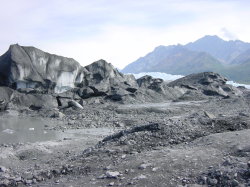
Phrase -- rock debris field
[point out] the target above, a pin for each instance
(62, 124)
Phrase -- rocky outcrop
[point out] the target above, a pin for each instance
(102, 79)
(149, 82)
(209, 83)
(157, 89)
(6, 95)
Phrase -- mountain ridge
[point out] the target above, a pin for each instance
(209, 53)
(173, 59)
(225, 51)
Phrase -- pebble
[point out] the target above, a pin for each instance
(209, 115)
(131, 183)
(111, 184)
(28, 182)
(112, 174)
(3, 169)
(154, 169)
(34, 181)
(107, 168)
(140, 177)
(56, 171)
(101, 176)
(243, 114)
(235, 183)
(144, 166)
(18, 179)
(248, 164)
(5, 175)
(203, 180)
(5, 182)
(27, 175)
(39, 178)
(67, 138)
(227, 162)
(123, 156)
(212, 181)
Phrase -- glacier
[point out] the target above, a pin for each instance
(164, 76)
(238, 84)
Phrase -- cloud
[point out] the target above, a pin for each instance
(118, 31)
(228, 35)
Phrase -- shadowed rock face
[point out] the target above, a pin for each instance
(209, 83)
(200, 79)
(6, 95)
(149, 82)
(101, 77)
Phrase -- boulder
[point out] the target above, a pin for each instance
(86, 92)
(112, 174)
(75, 104)
(57, 114)
(209, 115)
(148, 82)
(156, 90)
(117, 93)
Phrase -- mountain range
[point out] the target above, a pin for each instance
(210, 53)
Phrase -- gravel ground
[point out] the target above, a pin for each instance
(188, 143)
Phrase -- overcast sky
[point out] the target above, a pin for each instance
(119, 31)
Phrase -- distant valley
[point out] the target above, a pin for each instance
(210, 53)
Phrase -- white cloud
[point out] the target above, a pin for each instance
(118, 31)
(228, 35)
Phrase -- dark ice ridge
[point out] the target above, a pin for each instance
(36, 79)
